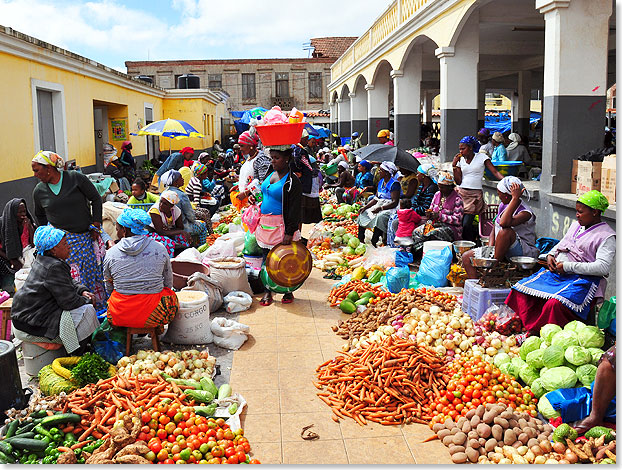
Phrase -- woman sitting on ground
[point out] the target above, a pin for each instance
(17, 228)
(196, 194)
(140, 195)
(577, 268)
(515, 228)
(345, 188)
(138, 276)
(445, 214)
(426, 175)
(167, 223)
(51, 304)
(364, 180)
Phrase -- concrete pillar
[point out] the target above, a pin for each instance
(459, 88)
(576, 35)
(428, 97)
(481, 105)
(358, 114)
(334, 117)
(407, 101)
(377, 111)
(344, 117)
(520, 117)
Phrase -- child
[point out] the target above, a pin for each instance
(408, 219)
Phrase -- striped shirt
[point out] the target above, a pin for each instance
(194, 189)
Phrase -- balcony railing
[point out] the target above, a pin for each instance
(398, 13)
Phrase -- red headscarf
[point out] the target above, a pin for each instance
(246, 139)
(187, 150)
(125, 144)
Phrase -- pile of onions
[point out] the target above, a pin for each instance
(191, 364)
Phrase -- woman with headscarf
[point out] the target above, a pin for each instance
(204, 201)
(576, 272)
(17, 228)
(138, 276)
(517, 151)
(114, 168)
(69, 201)
(515, 228)
(499, 154)
(444, 214)
(167, 223)
(364, 180)
(345, 188)
(483, 136)
(426, 175)
(51, 307)
(173, 181)
(468, 167)
(377, 212)
(128, 163)
(384, 137)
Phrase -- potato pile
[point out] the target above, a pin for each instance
(121, 446)
(495, 434)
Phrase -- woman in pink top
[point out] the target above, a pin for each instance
(407, 219)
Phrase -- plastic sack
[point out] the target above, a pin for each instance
(204, 283)
(251, 216)
(230, 272)
(190, 254)
(398, 279)
(191, 324)
(502, 319)
(435, 267)
(576, 403)
(607, 315)
(403, 258)
(383, 256)
(251, 247)
(229, 334)
(109, 341)
(226, 246)
(237, 302)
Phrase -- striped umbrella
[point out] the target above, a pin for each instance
(171, 128)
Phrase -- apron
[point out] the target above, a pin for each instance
(271, 230)
(472, 199)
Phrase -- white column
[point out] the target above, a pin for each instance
(428, 98)
(407, 101)
(344, 117)
(377, 111)
(358, 114)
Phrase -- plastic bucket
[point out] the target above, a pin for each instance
(331, 170)
(36, 357)
(506, 168)
(253, 262)
(436, 245)
(280, 134)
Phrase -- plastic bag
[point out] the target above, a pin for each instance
(237, 301)
(229, 334)
(403, 258)
(319, 234)
(398, 279)
(607, 315)
(435, 267)
(383, 256)
(212, 287)
(226, 246)
(251, 247)
(251, 216)
(502, 319)
(109, 341)
(190, 254)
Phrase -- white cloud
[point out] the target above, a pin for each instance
(111, 32)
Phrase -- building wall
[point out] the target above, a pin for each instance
(164, 74)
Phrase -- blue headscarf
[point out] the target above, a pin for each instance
(47, 237)
(429, 170)
(136, 220)
(365, 164)
(472, 141)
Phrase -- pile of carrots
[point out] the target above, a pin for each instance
(390, 383)
(212, 238)
(100, 404)
(337, 294)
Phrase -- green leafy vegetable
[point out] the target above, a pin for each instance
(577, 355)
(534, 358)
(565, 339)
(90, 369)
(531, 344)
(591, 337)
(553, 356)
(548, 331)
(558, 377)
(586, 374)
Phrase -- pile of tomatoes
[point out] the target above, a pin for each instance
(477, 382)
(175, 434)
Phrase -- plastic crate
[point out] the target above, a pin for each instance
(142, 206)
(477, 299)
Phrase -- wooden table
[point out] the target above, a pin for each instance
(5, 308)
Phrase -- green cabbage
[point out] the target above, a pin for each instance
(565, 339)
(534, 358)
(575, 326)
(586, 374)
(537, 388)
(558, 377)
(340, 231)
(548, 331)
(515, 366)
(595, 353)
(528, 374)
(327, 209)
(591, 337)
(505, 368)
(543, 370)
(501, 358)
(547, 410)
(553, 356)
(337, 240)
(530, 344)
(577, 355)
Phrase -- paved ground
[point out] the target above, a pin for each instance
(274, 370)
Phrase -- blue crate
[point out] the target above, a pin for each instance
(477, 299)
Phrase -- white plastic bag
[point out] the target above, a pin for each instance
(191, 325)
(226, 246)
(190, 254)
(230, 272)
(229, 334)
(237, 302)
(213, 288)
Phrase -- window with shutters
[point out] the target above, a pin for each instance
(214, 80)
(248, 86)
(282, 85)
(315, 85)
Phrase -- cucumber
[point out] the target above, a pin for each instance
(6, 458)
(61, 418)
(29, 427)
(38, 414)
(11, 428)
(33, 445)
(362, 301)
(6, 447)
(26, 435)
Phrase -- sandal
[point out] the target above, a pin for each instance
(266, 301)
(287, 299)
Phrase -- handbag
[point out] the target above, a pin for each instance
(251, 216)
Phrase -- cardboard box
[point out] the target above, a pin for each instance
(608, 178)
(588, 177)
(573, 176)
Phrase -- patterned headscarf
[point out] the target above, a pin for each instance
(247, 139)
(429, 170)
(471, 141)
(136, 220)
(446, 178)
(170, 196)
(45, 157)
(595, 200)
(389, 167)
(198, 169)
(169, 177)
(47, 237)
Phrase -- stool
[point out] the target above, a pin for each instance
(139, 331)
(5, 310)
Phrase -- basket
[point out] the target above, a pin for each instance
(280, 134)
(477, 299)
(332, 169)
(506, 168)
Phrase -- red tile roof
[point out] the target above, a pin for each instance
(332, 47)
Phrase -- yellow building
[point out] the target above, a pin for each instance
(53, 99)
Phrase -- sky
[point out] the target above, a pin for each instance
(112, 32)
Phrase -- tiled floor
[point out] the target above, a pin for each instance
(274, 372)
